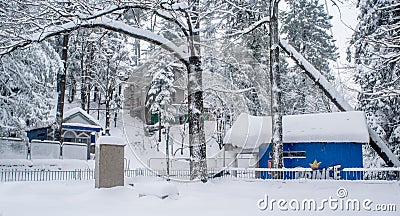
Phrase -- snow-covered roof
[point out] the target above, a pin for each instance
(76, 111)
(110, 140)
(251, 131)
(326, 127)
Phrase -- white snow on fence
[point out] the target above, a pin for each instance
(12, 148)
(74, 151)
(15, 163)
(45, 149)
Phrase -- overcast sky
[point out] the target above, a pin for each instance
(341, 32)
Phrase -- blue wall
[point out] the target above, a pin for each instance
(38, 134)
(348, 155)
(263, 155)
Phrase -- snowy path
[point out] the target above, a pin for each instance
(218, 197)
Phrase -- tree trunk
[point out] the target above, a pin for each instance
(88, 90)
(197, 140)
(83, 83)
(276, 103)
(61, 79)
(88, 97)
(95, 92)
(88, 77)
(71, 88)
(118, 102)
(108, 98)
(98, 105)
(107, 129)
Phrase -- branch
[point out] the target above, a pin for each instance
(250, 28)
(169, 17)
(115, 8)
(239, 91)
(316, 76)
(105, 23)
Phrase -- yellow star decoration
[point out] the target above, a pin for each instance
(315, 165)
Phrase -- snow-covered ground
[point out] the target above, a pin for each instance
(217, 197)
(46, 164)
(146, 151)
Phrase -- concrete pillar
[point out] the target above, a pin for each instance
(109, 167)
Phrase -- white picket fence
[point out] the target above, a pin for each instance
(7, 175)
(357, 174)
(390, 173)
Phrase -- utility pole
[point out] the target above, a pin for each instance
(276, 102)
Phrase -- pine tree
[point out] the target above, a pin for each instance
(306, 26)
(376, 52)
(160, 92)
(27, 79)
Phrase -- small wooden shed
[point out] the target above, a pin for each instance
(317, 141)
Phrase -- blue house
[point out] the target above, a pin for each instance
(324, 142)
(78, 127)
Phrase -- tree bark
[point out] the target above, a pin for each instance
(276, 102)
(83, 80)
(61, 79)
(197, 140)
(118, 102)
(108, 99)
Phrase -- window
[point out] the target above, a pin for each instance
(294, 154)
(69, 136)
(82, 140)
